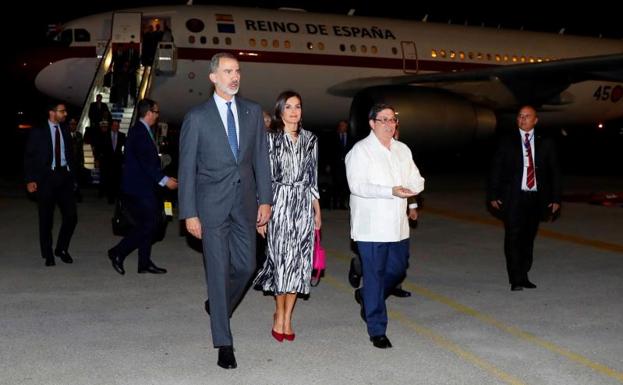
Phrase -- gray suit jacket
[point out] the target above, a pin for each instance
(208, 172)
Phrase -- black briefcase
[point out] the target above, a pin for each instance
(123, 222)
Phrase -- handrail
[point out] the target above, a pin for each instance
(98, 81)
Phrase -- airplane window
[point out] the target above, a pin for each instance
(442, 53)
(66, 37)
(498, 57)
(215, 40)
(489, 57)
(195, 25)
(470, 55)
(462, 55)
(310, 45)
(252, 42)
(286, 44)
(342, 47)
(364, 49)
(433, 53)
(531, 59)
(479, 56)
(523, 59)
(514, 58)
(228, 40)
(264, 43)
(395, 50)
(374, 50)
(321, 46)
(452, 55)
(203, 39)
(505, 57)
(275, 43)
(81, 34)
(539, 59)
(353, 48)
(191, 39)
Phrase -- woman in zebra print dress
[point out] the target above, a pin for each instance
(293, 156)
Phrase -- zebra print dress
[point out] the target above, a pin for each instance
(290, 236)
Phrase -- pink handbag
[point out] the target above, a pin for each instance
(319, 263)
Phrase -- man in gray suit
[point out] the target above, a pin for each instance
(225, 192)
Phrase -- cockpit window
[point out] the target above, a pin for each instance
(81, 34)
(65, 37)
(195, 25)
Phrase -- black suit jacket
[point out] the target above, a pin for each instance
(507, 171)
(113, 157)
(141, 164)
(39, 153)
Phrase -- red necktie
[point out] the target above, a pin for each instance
(530, 179)
(57, 147)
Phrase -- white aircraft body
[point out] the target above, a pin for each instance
(449, 83)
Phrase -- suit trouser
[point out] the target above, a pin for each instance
(521, 225)
(56, 188)
(229, 263)
(384, 266)
(144, 211)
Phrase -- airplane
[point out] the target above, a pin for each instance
(450, 84)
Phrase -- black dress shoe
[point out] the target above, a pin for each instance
(399, 292)
(64, 256)
(381, 342)
(354, 278)
(528, 285)
(206, 306)
(516, 287)
(226, 358)
(50, 261)
(151, 268)
(117, 262)
(359, 300)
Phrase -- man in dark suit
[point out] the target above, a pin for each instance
(112, 160)
(225, 192)
(342, 143)
(141, 180)
(524, 188)
(49, 172)
(98, 111)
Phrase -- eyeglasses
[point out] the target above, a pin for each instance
(387, 121)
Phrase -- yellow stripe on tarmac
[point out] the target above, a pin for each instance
(439, 340)
(575, 357)
(474, 218)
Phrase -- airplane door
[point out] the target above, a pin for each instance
(126, 27)
(409, 57)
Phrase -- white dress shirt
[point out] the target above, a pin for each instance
(524, 178)
(372, 171)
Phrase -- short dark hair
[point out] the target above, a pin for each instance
(144, 106)
(52, 105)
(280, 105)
(378, 107)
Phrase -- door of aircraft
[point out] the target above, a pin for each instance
(126, 27)
(409, 57)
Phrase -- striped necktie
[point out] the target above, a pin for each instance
(231, 131)
(530, 177)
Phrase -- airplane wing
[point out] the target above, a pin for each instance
(501, 87)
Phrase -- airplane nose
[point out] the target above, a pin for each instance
(67, 79)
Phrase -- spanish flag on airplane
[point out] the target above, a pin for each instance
(225, 23)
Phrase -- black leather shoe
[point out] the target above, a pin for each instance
(354, 278)
(400, 293)
(516, 287)
(151, 268)
(50, 261)
(64, 256)
(226, 358)
(206, 306)
(381, 342)
(117, 262)
(528, 285)
(359, 300)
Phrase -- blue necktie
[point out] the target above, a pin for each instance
(231, 131)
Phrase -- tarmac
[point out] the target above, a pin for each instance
(84, 324)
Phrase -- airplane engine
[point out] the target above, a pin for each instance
(430, 119)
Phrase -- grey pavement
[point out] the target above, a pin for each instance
(85, 324)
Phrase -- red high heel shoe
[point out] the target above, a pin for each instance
(289, 337)
(278, 336)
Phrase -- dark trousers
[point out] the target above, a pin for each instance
(229, 263)
(384, 266)
(521, 225)
(145, 211)
(56, 188)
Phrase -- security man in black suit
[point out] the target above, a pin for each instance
(524, 188)
(341, 144)
(49, 173)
